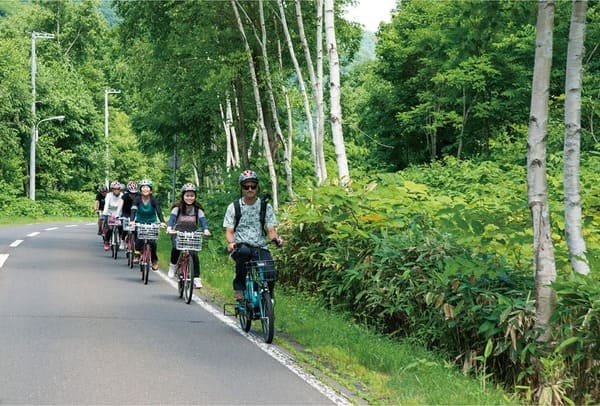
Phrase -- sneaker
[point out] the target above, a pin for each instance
(238, 295)
(197, 283)
(106, 246)
(171, 273)
(155, 266)
(122, 245)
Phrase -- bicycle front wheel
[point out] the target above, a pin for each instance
(188, 279)
(147, 255)
(243, 316)
(114, 242)
(267, 317)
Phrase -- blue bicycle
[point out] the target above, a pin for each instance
(257, 303)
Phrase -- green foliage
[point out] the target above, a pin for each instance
(53, 204)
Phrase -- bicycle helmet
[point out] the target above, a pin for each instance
(115, 185)
(146, 182)
(248, 175)
(188, 187)
(102, 188)
(132, 187)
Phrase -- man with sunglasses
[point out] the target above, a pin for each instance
(244, 231)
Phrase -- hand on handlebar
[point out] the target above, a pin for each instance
(278, 241)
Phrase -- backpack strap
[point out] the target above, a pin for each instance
(238, 213)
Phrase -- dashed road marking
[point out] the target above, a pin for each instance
(15, 243)
(71, 225)
(33, 234)
(3, 258)
(51, 229)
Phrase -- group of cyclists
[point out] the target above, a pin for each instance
(248, 222)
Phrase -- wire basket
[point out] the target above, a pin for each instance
(125, 223)
(262, 270)
(147, 231)
(188, 240)
(113, 221)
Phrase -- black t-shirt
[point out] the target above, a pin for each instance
(100, 198)
(128, 199)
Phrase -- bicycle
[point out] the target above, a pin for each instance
(148, 233)
(257, 303)
(113, 225)
(187, 242)
(129, 240)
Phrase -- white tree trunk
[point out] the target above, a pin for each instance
(290, 124)
(261, 120)
(335, 107)
(572, 146)
(234, 143)
(537, 194)
(301, 85)
(229, 159)
(317, 85)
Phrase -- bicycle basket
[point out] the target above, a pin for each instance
(188, 240)
(113, 221)
(147, 231)
(263, 270)
(125, 223)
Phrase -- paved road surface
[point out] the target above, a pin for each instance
(77, 327)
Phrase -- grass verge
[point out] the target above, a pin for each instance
(372, 368)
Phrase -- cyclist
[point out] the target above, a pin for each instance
(112, 207)
(99, 205)
(186, 215)
(128, 198)
(246, 239)
(146, 209)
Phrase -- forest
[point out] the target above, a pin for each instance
(404, 180)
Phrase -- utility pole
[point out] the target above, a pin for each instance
(106, 93)
(34, 36)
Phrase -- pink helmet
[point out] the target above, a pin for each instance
(188, 187)
(132, 187)
(115, 185)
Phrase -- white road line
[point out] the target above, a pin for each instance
(280, 356)
(3, 258)
(15, 243)
(33, 234)
(51, 229)
(91, 224)
(71, 225)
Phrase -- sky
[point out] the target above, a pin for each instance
(371, 12)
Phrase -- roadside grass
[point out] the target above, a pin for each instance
(373, 368)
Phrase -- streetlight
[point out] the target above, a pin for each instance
(34, 36)
(32, 154)
(106, 93)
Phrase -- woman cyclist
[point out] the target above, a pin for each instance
(186, 215)
(146, 210)
(112, 207)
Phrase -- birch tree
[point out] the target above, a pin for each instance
(262, 130)
(335, 106)
(537, 193)
(572, 144)
(302, 88)
(317, 84)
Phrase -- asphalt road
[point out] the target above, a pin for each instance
(77, 327)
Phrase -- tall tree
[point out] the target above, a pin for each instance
(537, 185)
(335, 107)
(572, 145)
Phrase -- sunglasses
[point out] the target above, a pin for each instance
(249, 187)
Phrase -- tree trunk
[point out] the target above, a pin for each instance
(241, 118)
(290, 125)
(335, 107)
(302, 87)
(261, 120)
(317, 84)
(537, 194)
(572, 147)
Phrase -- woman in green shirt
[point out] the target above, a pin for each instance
(146, 209)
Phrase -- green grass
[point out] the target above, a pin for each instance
(376, 368)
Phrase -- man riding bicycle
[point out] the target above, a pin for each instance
(244, 230)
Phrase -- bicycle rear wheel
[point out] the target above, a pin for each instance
(243, 316)
(188, 278)
(267, 317)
